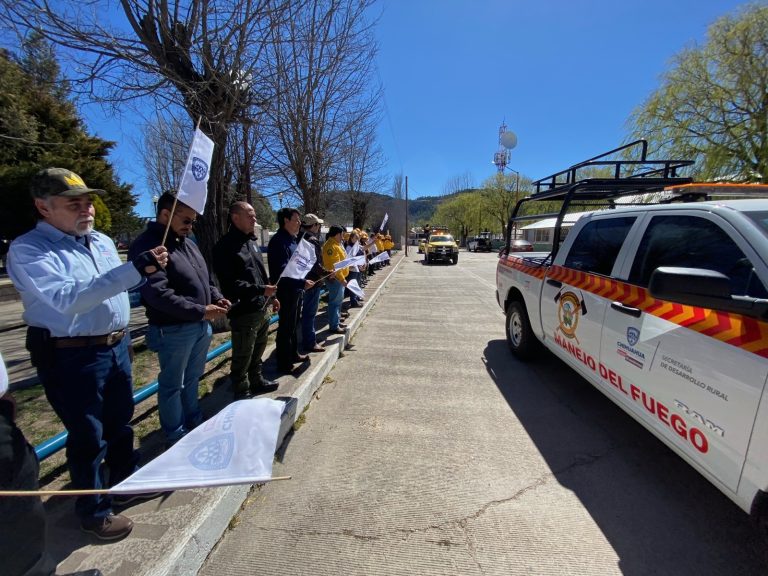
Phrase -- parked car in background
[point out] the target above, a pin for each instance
(520, 245)
(481, 242)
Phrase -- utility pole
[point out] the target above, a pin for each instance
(407, 231)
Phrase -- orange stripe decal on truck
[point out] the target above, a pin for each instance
(738, 330)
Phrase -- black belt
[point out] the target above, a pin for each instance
(82, 341)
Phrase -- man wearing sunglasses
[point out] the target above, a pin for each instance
(179, 300)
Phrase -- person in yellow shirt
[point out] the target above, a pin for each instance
(334, 252)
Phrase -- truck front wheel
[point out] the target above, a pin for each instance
(454, 258)
(520, 338)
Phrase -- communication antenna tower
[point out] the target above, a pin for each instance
(507, 141)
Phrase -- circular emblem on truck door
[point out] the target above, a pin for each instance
(568, 310)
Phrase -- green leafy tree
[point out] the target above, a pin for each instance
(501, 192)
(40, 128)
(712, 105)
(461, 214)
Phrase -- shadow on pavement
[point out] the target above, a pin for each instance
(659, 514)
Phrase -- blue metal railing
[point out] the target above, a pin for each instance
(52, 445)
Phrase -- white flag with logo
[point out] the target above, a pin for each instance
(194, 183)
(358, 260)
(301, 262)
(344, 263)
(353, 250)
(384, 222)
(354, 287)
(380, 258)
(236, 446)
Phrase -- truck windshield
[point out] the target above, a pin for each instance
(441, 238)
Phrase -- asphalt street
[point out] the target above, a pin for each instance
(428, 450)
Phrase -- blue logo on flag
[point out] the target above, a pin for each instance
(633, 335)
(199, 168)
(213, 454)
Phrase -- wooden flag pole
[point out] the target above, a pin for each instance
(106, 491)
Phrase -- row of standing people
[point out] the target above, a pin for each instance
(73, 287)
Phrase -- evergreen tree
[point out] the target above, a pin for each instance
(40, 128)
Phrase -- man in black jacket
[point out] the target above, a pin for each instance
(289, 290)
(240, 269)
(179, 301)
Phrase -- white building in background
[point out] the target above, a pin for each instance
(540, 233)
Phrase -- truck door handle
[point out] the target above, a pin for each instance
(555, 283)
(619, 307)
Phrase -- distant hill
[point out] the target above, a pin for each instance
(420, 210)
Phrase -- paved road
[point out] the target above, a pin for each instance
(432, 451)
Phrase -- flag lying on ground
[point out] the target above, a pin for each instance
(354, 287)
(236, 446)
(384, 222)
(380, 258)
(194, 183)
(301, 262)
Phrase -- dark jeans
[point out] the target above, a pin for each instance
(22, 520)
(249, 340)
(311, 302)
(285, 343)
(90, 390)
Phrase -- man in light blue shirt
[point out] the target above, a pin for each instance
(73, 286)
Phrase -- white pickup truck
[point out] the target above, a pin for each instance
(663, 308)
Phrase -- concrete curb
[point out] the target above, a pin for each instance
(190, 553)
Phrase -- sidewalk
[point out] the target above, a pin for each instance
(173, 536)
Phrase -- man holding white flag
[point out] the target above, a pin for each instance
(290, 287)
(194, 184)
(243, 278)
(179, 302)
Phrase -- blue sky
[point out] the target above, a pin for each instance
(564, 74)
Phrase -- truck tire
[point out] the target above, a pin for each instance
(520, 338)
(454, 259)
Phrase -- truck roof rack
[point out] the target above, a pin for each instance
(617, 178)
(627, 176)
